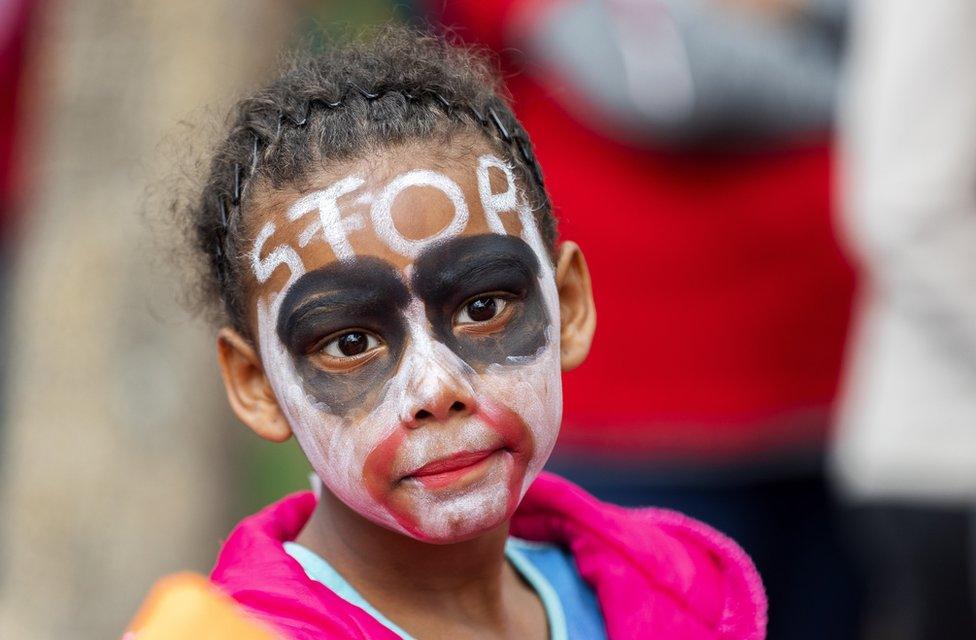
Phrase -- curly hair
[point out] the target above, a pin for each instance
(399, 84)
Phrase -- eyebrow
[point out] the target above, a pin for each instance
(340, 295)
(471, 262)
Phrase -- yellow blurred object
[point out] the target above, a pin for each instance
(187, 605)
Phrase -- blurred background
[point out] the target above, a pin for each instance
(777, 200)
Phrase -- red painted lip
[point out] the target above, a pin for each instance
(445, 471)
(452, 463)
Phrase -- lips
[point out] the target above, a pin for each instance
(452, 463)
(447, 470)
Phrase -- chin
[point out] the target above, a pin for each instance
(456, 513)
(450, 528)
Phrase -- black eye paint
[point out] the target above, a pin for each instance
(449, 273)
(363, 293)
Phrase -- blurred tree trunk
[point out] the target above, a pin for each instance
(115, 446)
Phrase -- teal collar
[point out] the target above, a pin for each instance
(316, 568)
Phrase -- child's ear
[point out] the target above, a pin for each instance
(248, 390)
(577, 313)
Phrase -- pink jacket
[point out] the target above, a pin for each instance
(657, 574)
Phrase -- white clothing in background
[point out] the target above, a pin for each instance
(907, 425)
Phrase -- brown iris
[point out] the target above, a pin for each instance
(352, 343)
(481, 309)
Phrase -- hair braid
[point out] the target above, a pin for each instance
(400, 85)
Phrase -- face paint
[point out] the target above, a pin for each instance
(383, 220)
(363, 292)
(330, 221)
(453, 272)
(451, 403)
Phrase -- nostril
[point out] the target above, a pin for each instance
(425, 414)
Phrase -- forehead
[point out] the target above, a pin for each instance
(388, 205)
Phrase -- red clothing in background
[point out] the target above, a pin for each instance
(722, 297)
(14, 22)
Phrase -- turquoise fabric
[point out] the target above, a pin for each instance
(321, 571)
(571, 606)
(552, 572)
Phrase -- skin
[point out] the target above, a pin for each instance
(433, 380)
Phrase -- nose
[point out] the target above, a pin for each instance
(436, 379)
(450, 398)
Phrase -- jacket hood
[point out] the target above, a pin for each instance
(656, 573)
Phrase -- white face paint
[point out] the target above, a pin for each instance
(445, 419)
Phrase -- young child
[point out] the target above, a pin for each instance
(378, 234)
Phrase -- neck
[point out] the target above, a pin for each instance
(383, 564)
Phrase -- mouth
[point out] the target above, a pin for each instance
(453, 469)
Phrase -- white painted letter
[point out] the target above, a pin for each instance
(283, 254)
(329, 221)
(383, 220)
(495, 203)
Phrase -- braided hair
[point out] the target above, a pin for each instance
(398, 85)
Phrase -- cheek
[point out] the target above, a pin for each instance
(378, 466)
(513, 430)
(510, 426)
(382, 488)
(359, 454)
(534, 393)
(354, 460)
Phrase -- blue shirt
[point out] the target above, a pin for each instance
(571, 606)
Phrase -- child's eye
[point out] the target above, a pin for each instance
(481, 309)
(350, 344)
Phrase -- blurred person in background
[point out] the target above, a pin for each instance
(702, 127)
(114, 443)
(15, 20)
(906, 448)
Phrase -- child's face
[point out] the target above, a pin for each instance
(407, 317)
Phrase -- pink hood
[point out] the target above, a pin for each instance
(656, 573)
